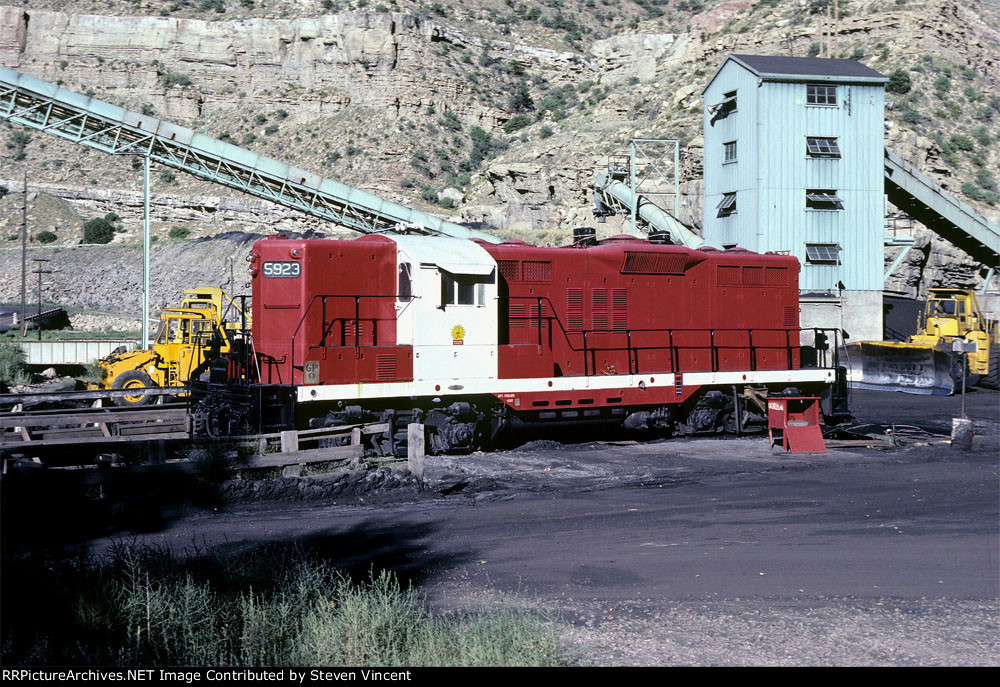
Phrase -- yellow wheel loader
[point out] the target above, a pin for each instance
(927, 364)
(188, 338)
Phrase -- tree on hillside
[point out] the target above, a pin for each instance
(98, 230)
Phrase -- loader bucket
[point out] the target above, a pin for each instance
(888, 366)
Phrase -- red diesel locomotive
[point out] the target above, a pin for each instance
(472, 338)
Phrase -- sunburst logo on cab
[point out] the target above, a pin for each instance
(457, 335)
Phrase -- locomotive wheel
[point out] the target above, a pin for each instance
(136, 381)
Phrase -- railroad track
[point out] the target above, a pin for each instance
(8, 401)
(33, 429)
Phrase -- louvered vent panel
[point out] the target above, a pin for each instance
(362, 329)
(510, 269)
(517, 312)
(790, 316)
(385, 366)
(619, 309)
(574, 310)
(536, 270)
(533, 315)
(599, 309)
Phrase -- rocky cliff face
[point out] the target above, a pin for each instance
(483, 111)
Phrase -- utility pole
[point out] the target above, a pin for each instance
(39, 271)
(24, 256)
(836, 27)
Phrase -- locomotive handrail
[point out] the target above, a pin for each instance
(672, 347)
(357, 322)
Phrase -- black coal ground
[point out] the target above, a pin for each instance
(680, 552)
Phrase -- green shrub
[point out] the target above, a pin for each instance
(484, 146)
(45, 237)
(899, 82)
(545, 131)
(172, 79)
(971, 94)
(942, 84)
(983, 136)
(451, 121)
(167, 176)
(13, 367)
(179, 232)
(986, 179)
(98, 230)
(516, 123)
(520, 99)
(961, 142)
(970, 190)
(217, 5)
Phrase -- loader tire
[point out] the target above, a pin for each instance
(991, 380)
(136, 381)
(959, 369)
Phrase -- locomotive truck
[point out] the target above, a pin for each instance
(474, 339)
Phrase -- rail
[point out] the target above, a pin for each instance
(75, 396)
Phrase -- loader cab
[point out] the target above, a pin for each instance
(951, 313)
(186, 337)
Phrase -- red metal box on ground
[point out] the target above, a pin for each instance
(797, 421)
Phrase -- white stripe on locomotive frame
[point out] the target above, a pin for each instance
(454, 387)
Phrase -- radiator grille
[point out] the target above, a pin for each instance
(647, 262)
(536, 270)
(510, 269)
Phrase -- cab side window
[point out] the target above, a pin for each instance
(463, 289)
(404, 287)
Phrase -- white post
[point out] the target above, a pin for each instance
(415, 449)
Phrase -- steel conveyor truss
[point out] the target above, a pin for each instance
(43, 106)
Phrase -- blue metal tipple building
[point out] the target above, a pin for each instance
(794, 162)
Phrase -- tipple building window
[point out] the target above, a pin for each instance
(727, 206)
(817, 94)
(729, 152)
(823, 199)
(823, 253)
(822, 146)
